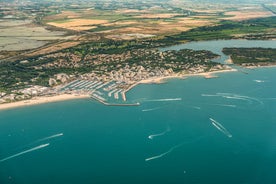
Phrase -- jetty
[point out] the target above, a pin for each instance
(108, 93)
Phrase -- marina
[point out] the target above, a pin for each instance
(108, 93)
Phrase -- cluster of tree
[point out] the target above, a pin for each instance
(226, 30)
(251, 55)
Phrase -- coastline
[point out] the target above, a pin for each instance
(256, 67)
(41, 100)
(161, 80)
(63, 97)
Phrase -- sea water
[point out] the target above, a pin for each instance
(169, 138)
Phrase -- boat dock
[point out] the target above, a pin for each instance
(108, 92)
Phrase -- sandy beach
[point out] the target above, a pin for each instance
(229, 61)
(41, 100)
(160, 80)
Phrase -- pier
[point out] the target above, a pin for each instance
(108, 92)
(96, 97)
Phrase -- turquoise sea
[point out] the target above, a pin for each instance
(194, 131)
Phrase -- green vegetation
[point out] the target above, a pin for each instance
(15, 74)
(110, 47)
(178, 61)
(250, 29)
(225, 31)
(251, 55)
(105, 28)
(103, 55)
(38, 70)
(19, 74)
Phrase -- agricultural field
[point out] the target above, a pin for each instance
(246, 13)
(40, 40)
(126, 21)
(67, 24)
(24, 35)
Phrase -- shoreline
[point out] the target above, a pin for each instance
(161, 80)
(63, 97)
(41, 100)
(256, 67)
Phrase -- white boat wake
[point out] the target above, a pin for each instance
(196, 107)
(259, 81)
(160, 134)
(47, 138)
(239, 97)
(173, 148)
(236, 98)
(209, 95)
(220, 128)
(24, 152)
(248, 99)
(153, 109)
(163, 154)
(225, 105)
(158, 156)
(165, 100)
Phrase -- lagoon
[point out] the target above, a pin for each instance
(216, 46)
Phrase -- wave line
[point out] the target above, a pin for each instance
(24, 152)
